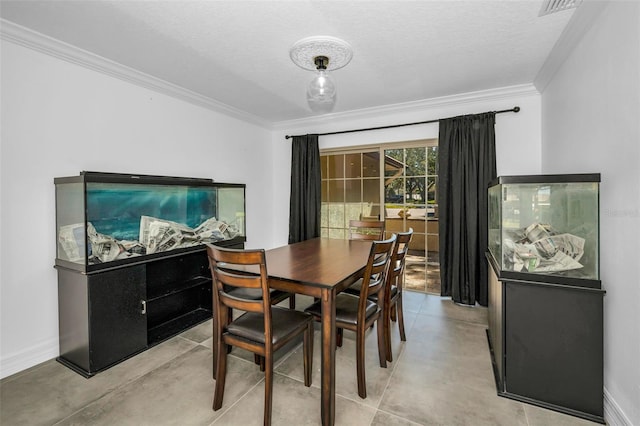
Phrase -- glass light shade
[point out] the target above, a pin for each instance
(321, 92)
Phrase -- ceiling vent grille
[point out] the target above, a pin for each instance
(552, 6)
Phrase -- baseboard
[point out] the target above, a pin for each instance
(27, 358)
(613, 414)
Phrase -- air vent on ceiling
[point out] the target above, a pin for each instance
(552, 6)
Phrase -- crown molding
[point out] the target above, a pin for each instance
(581, 21)
(25, 37)
(444, 101)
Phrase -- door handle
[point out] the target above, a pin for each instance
(144, 307)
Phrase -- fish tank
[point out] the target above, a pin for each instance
(545, 226)
(107, 219)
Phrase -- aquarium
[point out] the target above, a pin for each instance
(102, 218)
(545, 225)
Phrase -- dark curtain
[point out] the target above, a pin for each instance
(304, 210)
(467, 163)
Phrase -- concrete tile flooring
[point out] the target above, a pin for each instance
(441, 376)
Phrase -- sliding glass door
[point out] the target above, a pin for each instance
(411, 203)
(404, 176)
(350, 190)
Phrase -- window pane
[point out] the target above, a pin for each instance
(432, 160)
(353, 166)
(325, 191)
(432, 190)
(336, 215)
(416, 162)
(353, 190)
(371, 164)
(393, 162)
(336, 191)
(394, 191)
(371, 190)
(324, 216)
(415, 189)
(324, 167)
(336, 166)
(415, 274)
(353, 212)
(371, 212)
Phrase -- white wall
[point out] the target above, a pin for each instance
(591, 111)
(58, 119)
(518, 136)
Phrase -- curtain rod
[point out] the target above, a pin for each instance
(514, 109)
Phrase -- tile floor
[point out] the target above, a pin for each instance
(441, 376)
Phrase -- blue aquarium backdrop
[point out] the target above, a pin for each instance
(115, 209)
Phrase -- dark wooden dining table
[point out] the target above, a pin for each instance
(321, 268)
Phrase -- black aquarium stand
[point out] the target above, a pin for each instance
(546, 340)
(110, 315)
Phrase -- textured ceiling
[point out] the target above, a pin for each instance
(237, 52)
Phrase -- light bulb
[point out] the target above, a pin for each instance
(321, 92)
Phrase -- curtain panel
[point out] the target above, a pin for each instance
(467, 163)
(304, 208)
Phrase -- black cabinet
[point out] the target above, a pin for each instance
(546, 342)
(107, 316)
(101, 317)
(132, 269)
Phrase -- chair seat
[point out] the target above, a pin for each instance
(357, 286)
(346, 308)
(256, 294)
(250, 325)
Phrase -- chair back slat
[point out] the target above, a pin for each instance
(398, 257)
(397, 264)
(366, 230)
(376, 270)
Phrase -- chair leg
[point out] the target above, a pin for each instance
(393, 313)
(403, 337)
(339, 333)
(382, 341)
(362, 382)
(214, 349)
(387, 331)
(221, 373)
(307, 350)
(259, 360)
(268, 388)
(292, 301)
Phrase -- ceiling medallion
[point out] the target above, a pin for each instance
(304, 52)
(321, 54)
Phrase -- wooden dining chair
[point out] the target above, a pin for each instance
(392, 293)
(262, 328)
(359, 313)
(366, 230)
(393, 289)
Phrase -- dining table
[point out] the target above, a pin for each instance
(321, 268)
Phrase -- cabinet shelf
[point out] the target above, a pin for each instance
(176, 325)
(165, 290)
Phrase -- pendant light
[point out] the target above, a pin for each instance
(321, 92)
(321, 54)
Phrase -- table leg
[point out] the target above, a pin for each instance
(328, 357)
